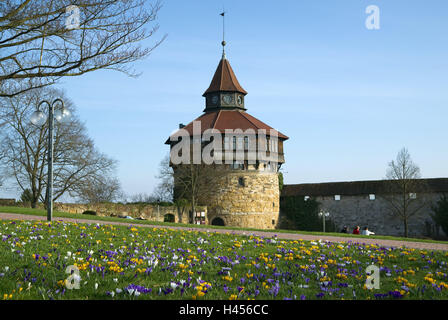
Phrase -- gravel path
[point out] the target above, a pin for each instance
(291, 236)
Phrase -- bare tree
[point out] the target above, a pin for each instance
(165, 189)
(2, 156)
(188, 185)
(142, 198)
(93, 190)
(195, 183)
(23, 147)
(405, 191)
(44, 40)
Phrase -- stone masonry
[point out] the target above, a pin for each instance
(253, 205)
(144, 211)
(375, 214)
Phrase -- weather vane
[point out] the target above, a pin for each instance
(223, 43)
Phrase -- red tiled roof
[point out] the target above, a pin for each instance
(224, 79)
(229, 119)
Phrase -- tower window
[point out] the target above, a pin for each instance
(273, 145)
(241, 182)
(226, 143)
(240, 143)
(246, 143)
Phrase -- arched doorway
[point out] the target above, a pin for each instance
(218, 222)
(168, 217)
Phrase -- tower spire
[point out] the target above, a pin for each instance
(223, 43)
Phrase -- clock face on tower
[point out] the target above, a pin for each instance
(227, 98)
(240, 100)
(215, 99)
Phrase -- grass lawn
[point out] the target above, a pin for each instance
(119, 262)
(40, 212)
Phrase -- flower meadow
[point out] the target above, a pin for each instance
(118, 262)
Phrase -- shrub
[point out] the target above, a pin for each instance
(169, 218)
(302, 215)
(26, 198)
(280, 181)
(90, 212)
(440, 215)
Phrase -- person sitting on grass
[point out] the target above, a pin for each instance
(356, 230)
(366, 232)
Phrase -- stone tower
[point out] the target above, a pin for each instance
(246, 153)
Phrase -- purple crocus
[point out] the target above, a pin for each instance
(395, 294)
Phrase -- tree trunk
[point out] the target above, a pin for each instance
(179, 214)
(193, 211)
(405, 227)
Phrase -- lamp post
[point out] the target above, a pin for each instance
(324, 215)
(39, 118)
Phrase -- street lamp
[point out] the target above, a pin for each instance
(39, 118)
(324, 215)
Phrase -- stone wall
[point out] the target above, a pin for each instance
(375, 214)
(254, 205)
(7, 202)
(144, 211)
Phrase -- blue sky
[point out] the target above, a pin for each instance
(349, 98)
